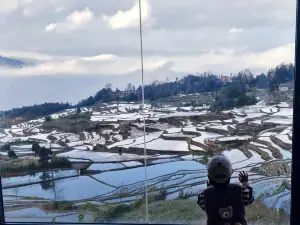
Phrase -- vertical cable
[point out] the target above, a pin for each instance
(143, 98)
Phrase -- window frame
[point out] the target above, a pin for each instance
(295, 184)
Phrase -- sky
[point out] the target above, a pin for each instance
(73, 47)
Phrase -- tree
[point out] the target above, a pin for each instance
(108, 85)
(30, 112)
(281, 74)
(86, 102)
(44, 154)
(78, 111)
(35, 148)
(242, 100)
(129, 87)
(11, 154)
(46, 180)
(5, 147)
(80, 217)
(103, 95)
(245, 100)
(261, 81)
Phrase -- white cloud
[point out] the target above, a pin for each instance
(75, 20)
(220, 61)
(233, 60)
(236, 30)
(103, 57)
(78, 18)
(7, 6)
(31, 55)
(26, 12)
(272, 57)
(59, 9)
(50, 27)
(180, 41)
(130, 18)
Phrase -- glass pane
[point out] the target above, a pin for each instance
(79, 61)
(215, 83)
(218, 85)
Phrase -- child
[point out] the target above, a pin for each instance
(223, 202)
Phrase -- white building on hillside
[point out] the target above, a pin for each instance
(286, 86)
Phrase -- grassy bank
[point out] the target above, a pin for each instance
(32, 164)
(177, 211)
(73, 123)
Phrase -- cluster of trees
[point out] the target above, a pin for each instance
(106, 94)
(42, 152)
(30, 112)
(10, 153)
(230, 96)
(281, 74)
(206, 82)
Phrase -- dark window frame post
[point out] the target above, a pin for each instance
(295, 187)
(2, 216)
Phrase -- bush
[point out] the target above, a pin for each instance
(60, 162)
(32, 164)
(161, 195)
(59, 206)
(19, 165)
(48, 119)
(11, 154)
(62, 143)
(44, 154)
(35, 148)
(88, 206)
(116, 211)
(80, 217)
(74, 123)
(182, 195)
(5, 147)
(138, 203)
(51, 138)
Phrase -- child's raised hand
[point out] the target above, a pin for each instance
(243, 177)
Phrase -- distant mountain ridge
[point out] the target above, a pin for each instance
(9, 62)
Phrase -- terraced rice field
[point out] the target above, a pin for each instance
(178, 143)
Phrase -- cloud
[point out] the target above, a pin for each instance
(103, 57)
(78, 18)
(50, 27)
(24, 54)
(74, 20)
(236, 30)
(228, 61)
(183, 39)
(216, 60)
(26, 12)
(59, 9)
(7, 6)
(130, 18)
